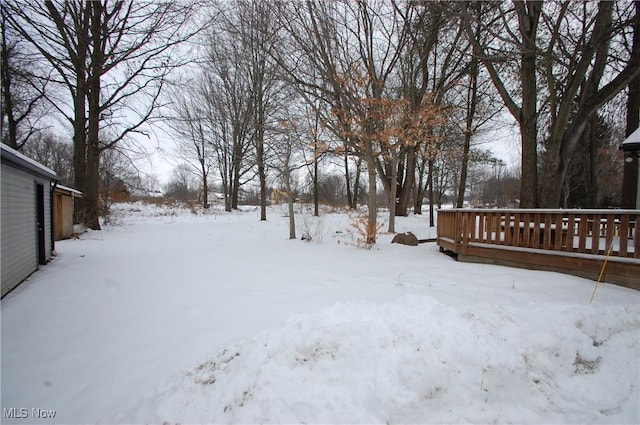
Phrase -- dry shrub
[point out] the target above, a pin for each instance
(193, 206)
(312, 228)
(363, 232)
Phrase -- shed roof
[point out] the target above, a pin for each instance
(18, 160)
(69, 191)
(632, 143)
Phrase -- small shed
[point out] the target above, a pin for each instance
(26, 220)
(631, 179)
(63, 211)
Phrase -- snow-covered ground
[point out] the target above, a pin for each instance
(171, 317)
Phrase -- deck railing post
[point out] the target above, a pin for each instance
(595, 234)
(465, 233)
(571, 221)
(636, 237)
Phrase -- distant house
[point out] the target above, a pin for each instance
(63, 211)
(631, 179)
(215, 196)
(27, 211)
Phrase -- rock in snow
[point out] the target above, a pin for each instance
(405, 239)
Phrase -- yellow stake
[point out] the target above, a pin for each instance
(606, 258)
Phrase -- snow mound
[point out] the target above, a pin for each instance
(418, 361)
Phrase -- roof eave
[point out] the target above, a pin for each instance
(17, 160)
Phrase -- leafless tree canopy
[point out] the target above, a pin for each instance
(113, 59)
(402, 90)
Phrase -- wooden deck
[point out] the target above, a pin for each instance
(568, 241)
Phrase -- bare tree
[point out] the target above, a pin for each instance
(194, 143)
(286, 149)
(243, 41)
(479, 106)
(567, 45)
(229, 108)
(181, 185)
(114, 58)
(433, 61)
(499, 20)
(578, 47)
(633, 103)
(343, 55)
(23, 103)
(52, 152)
(262, 43)
(318, 151)
(118, 176)
(630, 179)
(60, 33)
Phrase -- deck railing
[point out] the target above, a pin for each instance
(564, 233)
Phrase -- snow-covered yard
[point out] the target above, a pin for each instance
(166, 316)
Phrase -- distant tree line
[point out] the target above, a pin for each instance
(385, 96)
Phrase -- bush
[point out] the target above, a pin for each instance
(362, 231)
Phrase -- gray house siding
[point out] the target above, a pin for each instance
(19, 229)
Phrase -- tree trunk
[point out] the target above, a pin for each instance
(528, 18)
(227, 189)
(80, 125)
(292, 217)
(553, 176)
(356, 185)
(227, 202)
(529, 116)
(630, 173)
(472, 98)
(316, 211)
(347, 177)
(80, 136)
(205, 187)
(407, 188)
(290, 199)
(235, 186)
(633, 102)
(290, 194)
(262, 175)
(236, 163)
(417, 202)
(591, 177)
(430, 185)
(92, 211)
(392, 191)
(372, 225)
(420, 189)
(529, 159)
(462, 184)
